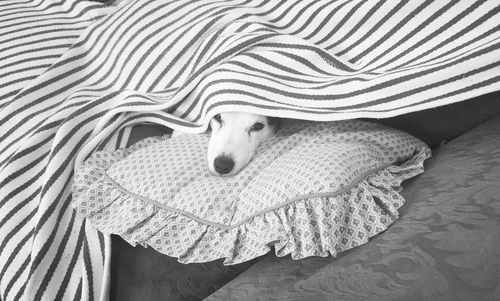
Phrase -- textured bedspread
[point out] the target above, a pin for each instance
(75, 74)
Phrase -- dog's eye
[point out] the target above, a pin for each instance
(257, 127)
(218, 118)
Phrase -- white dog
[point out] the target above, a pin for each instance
(234, 139)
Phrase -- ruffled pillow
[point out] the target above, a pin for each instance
(313, 189)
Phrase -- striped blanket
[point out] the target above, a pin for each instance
(75, 75)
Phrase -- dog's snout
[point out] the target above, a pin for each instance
(223, 164)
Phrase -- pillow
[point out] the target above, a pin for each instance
(314, 189)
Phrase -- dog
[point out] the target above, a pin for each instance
(234, 139)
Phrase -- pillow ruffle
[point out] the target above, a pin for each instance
(317, 225)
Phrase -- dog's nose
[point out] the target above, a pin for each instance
(223, 164)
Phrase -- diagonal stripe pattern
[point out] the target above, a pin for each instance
(76, 73)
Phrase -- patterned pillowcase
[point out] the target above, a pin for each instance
(313, 189)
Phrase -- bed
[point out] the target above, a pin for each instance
(82, 76)
(394, 265)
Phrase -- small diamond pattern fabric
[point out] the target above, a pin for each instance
(315, 188)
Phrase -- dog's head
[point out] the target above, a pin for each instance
(234, 139)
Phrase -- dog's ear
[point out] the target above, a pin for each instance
(274, 122)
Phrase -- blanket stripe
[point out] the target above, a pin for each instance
(77, 74)
(40, 246)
